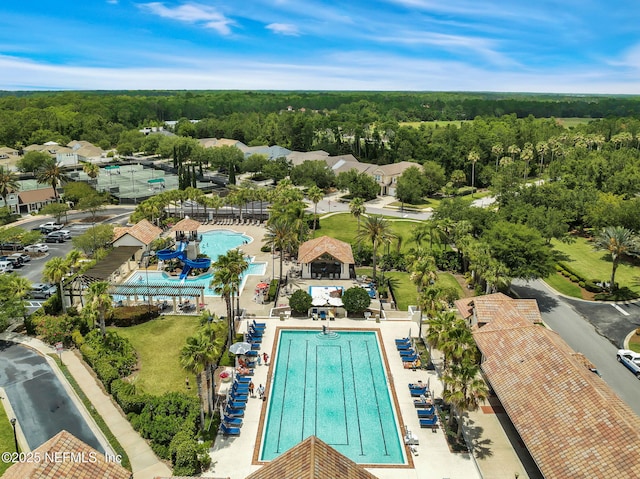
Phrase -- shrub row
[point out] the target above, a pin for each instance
(273, 289)
(590, 285)
(111, 357)
(132, 315)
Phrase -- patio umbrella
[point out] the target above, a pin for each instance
(240, 348)
(262, 285)
(318, 301)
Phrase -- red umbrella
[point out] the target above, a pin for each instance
(262, 285)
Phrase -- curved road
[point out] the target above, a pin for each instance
(596, 330)
(40, 402)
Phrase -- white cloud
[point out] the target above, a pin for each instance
(192, 13)
(283, 29)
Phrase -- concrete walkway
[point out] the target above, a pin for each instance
(144, 463)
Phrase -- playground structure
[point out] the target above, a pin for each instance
(181, 254)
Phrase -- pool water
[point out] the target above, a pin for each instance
(332, 386)
(213, 244)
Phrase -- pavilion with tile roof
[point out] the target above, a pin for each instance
(326, 257)
(142, 234)
(312, 459)
(573, 424)
(64, 455)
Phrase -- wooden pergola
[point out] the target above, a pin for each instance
(177, 292)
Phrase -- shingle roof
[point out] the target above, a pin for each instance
(312, 459)
(84, 462)
(36, 196)
(313, 249)
(571, 422)
(186, 224)
(143, 231)
(395, 169)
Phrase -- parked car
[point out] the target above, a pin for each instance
(42, 291)
(25, 258)
(5, 266)
(37, 248)
(11, 246)
(51, 226)
(630, 359)
(15, 262)
(65, 233)
(54, 237)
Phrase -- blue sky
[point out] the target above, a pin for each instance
(570, 46)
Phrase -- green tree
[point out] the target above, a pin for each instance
(377, 230)
(55, 209)
(356, 300)
(300, 301)
(32, 161)
(357, 208)
(100, 302)
(315, 195)
(310, 173)
(465, 390)
(55, 271)
(74, 191)
(91, 169)
(281, 237)
(618, 242)
(8, 183)
(93, 203)
(94, 239)
(358, 184)
(51, 174)
(195, 357)
(222, 284)
(410, 187)
(434, 177)
(473, 158)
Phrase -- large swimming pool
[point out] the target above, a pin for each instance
(333, 386)
(213, 244)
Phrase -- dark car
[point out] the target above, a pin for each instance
(15, 262)
(11, 246)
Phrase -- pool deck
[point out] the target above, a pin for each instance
(237, 457)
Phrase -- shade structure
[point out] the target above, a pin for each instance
(318, 301)
(335, 301)
(240, 348)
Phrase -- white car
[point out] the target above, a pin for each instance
(51, 226)
(37, 248)
(630, 359)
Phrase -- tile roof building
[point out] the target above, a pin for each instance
(570, 420)
(65, 456)
(141, 234)
(326, 257)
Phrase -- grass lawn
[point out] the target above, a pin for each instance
(7, 444)
(405, 291)
(593, 264)
(158, 343)
(634, 343)
(344, 227)
(563, 285)
(571, 122)
(435, 123)
(430, 203)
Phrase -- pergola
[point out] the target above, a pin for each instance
(144, 291)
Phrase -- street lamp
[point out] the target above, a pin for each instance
(15, 437)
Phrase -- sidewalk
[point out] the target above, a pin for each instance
(144, 463)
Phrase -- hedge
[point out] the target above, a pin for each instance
(131, 315)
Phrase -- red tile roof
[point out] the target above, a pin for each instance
(65, 456)
(313, 249)
(143, 231)
(312, 459)
(570, 420)
(187, 224)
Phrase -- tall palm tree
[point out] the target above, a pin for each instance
(315, 195)
(195, 357)
(100, 302)
(377, 230)
(496, 276)
(357, 208)
(618, 241)
(423, 272)
(51, 174)
(8, 184)
(222, 284)
(473, 157)
(91, 169)
(526, 155)
(439, 324)
(429, 302)
(281, 236)
(235, 261)
(54, 271)
(465, 391)
(497, 150)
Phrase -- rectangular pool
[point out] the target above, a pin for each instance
(333, 386)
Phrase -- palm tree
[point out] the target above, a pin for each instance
(315, 195)
(51, 174)
(54, 271)
(465, 390)
(497, 150)
(542, 148)
(473, 157)
(222, 284)
(8, 184)
(100, 302)
(423, 272)
(496, 276)
(429, 302)
(526, 155)
(195, 357)
(237, 263)
(91, 169)
(281, 236)
(377, 230)
(216, 203)
(357, 208)
(439, 324)
(618, 241)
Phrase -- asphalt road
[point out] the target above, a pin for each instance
(581, 325)
(41, 404)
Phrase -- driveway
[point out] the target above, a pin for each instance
(40, 402)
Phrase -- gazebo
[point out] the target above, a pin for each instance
(327, 258)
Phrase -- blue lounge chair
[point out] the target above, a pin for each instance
(236, 405)
(232, 421)
(254, 340)
(323, 315)
(251, 364)
(407, 352)
(433, 422)
(252, 353)
(403, 346)
(238, 397)
(410, 359)
(406, 340)
(240, 380)
(257, 325)
(229, 431)
(228, 411)
(422, 403)
(416, 393)
(240, 389)
(255, 346)
(426, 413)
(253, 329)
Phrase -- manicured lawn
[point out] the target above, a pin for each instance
(344, 227)
(7, 444)
(593, 264)
(634, 343)
(405, 291)
(563, 285)
(158, 343)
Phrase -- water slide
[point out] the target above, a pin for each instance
(181, 254)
